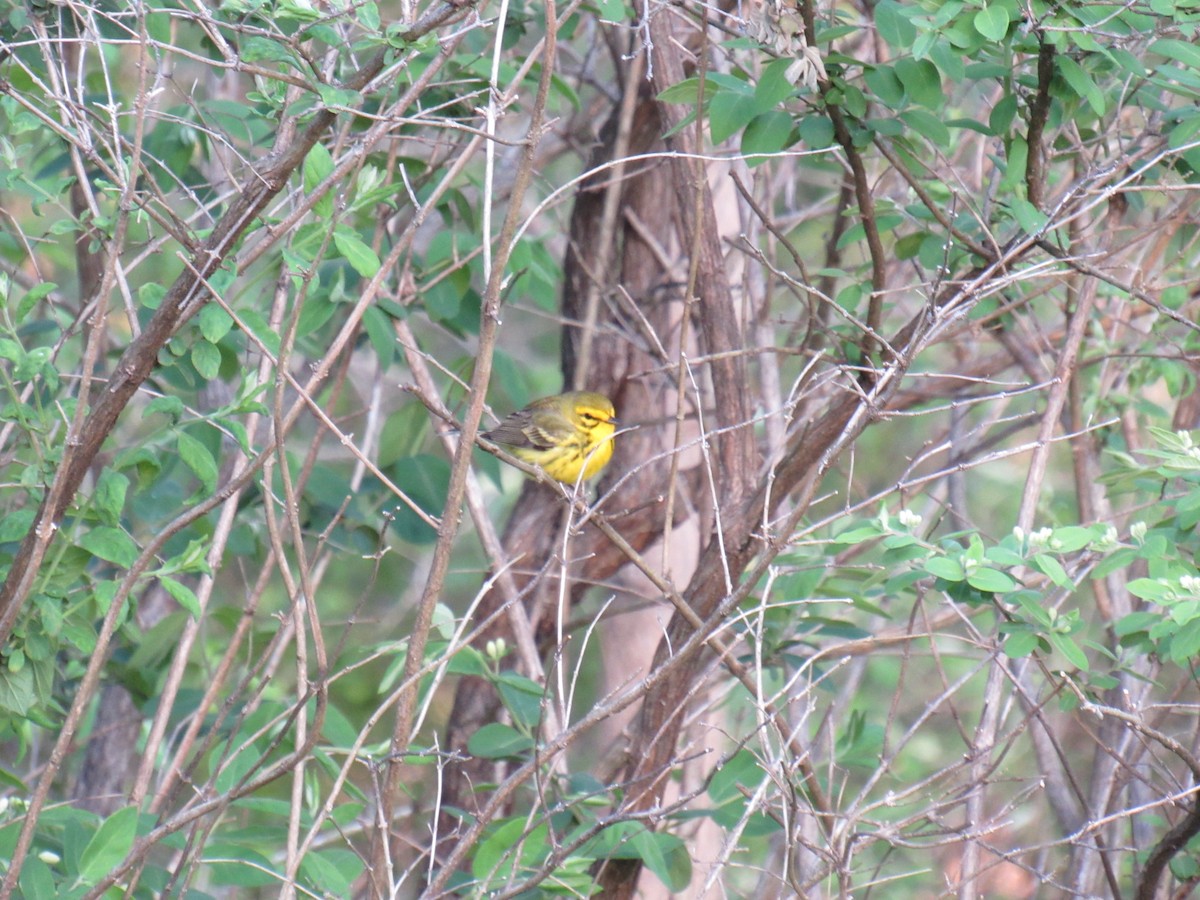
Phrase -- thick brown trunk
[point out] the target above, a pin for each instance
(618, 367)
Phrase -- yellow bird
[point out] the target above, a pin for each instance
(566, 435)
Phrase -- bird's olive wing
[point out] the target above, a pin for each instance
(521, 430)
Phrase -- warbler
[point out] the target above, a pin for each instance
(568, 435)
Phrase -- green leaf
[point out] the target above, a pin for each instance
(214, 322)
(1031, 603)
(1003, 557)
(1021, 644)
(368, 16)
(17, 693)
(197, 458)
(261, 49)
(945, 568)
(886, 86)
(443, 301)
(1016, 163)
(728, 113)
(258, 325)
(1069, 649)
(1054, 569)
(992, 22)
(991, 580)
(522, 698)
(852, 100)
(168, 405)
(615, 11)
(109, 845)
(379, 331)
(686, 91)
(861, 743)
(37, 880)
(1002, 115)
(1150, 589)
(425, 478)
(318, 166)
(1185, 611)
(1185, 643)
(924, 44)
(766, 134)
(110, 544)
(496, 741)
(834, 32)
(1031, 219)
(337, 97)
(867, 532)
(14, 525)
(467, 661)
(109, 496)
(1180, 51)
(1081, 83)
(332, 870)
(207, 360)
(1130, 63)
(32, 296)
(11, 350)
(858, 231)
(239, 866)
(666, 856)
(182, 594)
(360, 256)
(893, 25)
(1136, 622)
(510, 846)
(987, 71)
(742, 770)
(816, 131)
(1185, 868)
(1070, 538)
(1181, 135)
(927, 125)
(81, 636)
(923, 82)
(886, 127)
(773, 87)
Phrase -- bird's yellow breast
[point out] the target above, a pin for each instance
(570, 436)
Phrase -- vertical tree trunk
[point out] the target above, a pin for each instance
(635, 263)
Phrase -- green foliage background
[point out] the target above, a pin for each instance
(995, 585)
